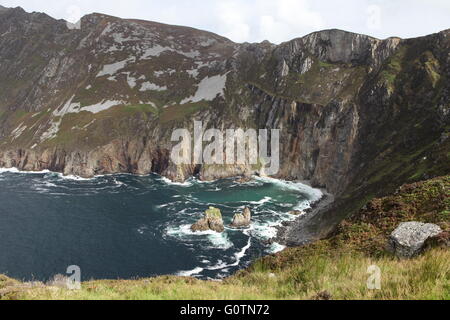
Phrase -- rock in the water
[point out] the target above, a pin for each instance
(212, 221)
(409, 238)
(201, 225)
(242, 220)
(296, 212)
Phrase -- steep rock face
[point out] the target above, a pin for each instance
(358, 116)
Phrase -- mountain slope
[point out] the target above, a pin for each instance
(358, 116)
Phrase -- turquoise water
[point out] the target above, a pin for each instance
(124, 226)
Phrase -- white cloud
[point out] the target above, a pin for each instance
(287, 19)
(298, 13)
(233, 21)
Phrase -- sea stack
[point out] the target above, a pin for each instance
(242, 220)
(211, 221)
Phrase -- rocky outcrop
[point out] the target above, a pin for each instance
(211, 221)
(242, 220)
(409, 238)
(296, 212)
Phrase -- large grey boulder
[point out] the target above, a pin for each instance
(409, 238)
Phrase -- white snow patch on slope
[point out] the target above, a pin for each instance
(156, 51)
(193, 72)
(191, 54)
(107, 30)
(75, 107)
(112, 49)
(196, 71)
(119, 38)
(131, 80)
(52, 131)
(208, 42)
(208, 89)
(151, 86)
(18, 131)
(68, 107)
(111, 69)
(102, 106)
(163, 72)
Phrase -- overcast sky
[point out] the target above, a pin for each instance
(258, 20)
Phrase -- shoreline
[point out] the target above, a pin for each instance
(304, 229)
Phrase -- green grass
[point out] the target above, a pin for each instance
(181, 112)
(213, 213)
(344, 276)
(145, 108)
(393, 67)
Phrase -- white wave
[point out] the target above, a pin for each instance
(118, 183)
(260, 202)
(11, 170)
(220, 265)
(49, 184)
(142, 229)
(181, 184)
(242, 253)
(60, 175)
(276, 247)
(263, 232)
(15, 170)
(264, 229)
(203, 181)
(312, 194)
(220, 241)
(74, 178)
(251, 183)
(190, 273)
(303, 205)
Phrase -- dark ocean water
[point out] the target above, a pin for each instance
(125, 226)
